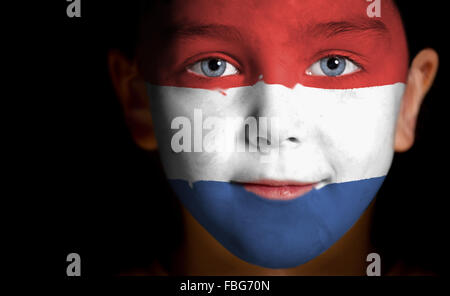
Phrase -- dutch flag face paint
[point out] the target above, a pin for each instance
(328, 82)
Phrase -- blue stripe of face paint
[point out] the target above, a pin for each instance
(275, 233)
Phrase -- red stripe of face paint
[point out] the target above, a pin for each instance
(273, 41)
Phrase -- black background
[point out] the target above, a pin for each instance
(109, 203)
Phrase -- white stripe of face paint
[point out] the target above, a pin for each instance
(325, 135)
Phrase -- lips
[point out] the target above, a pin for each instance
(278, 190)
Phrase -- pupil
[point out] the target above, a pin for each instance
(214, 64)
(333, 63)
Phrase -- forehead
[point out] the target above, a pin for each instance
(269, 16)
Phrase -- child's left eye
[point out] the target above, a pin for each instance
(213, 67)
(332, 66)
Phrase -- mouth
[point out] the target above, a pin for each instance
(278, 190)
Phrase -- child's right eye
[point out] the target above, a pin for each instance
(213, 67)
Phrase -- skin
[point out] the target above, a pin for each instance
(194, 257)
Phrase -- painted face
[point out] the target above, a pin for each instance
(307, 94)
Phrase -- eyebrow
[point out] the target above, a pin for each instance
(336, 28)
(217, 31)
(327, 29)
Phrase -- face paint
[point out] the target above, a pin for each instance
(332, 76)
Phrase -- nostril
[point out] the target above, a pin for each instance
(264, 141)
(293, 140)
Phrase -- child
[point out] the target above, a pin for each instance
(276, 123)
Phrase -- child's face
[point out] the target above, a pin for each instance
(330, 75)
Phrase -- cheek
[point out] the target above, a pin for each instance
(209, 119)
(357, 130)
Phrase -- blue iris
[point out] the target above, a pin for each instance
(213, 67)
(332, 66)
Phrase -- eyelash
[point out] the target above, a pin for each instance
(351, 58)
(198, 58)
(192, 61)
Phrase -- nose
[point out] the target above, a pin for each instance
(278, 122)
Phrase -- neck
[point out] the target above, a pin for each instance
(201, 254)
